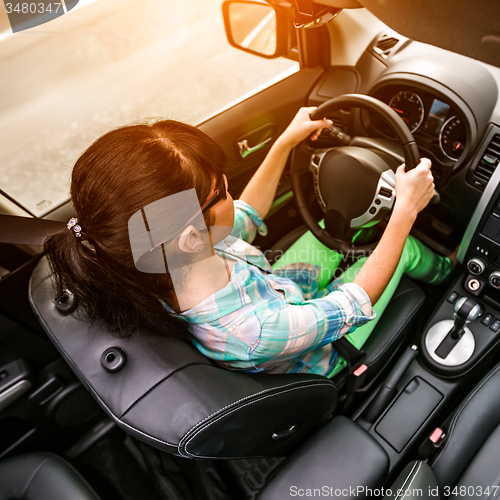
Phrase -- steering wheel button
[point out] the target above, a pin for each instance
(316, 159)
(377, 202)
(385, 192)
(372, 210)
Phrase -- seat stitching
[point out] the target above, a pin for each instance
(221, 409)
(405, 481)
(233, 410)
(413, 478)
(310, 382)
(459, 411)
(202, 428)
(403, 325)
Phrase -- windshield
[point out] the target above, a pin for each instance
(105, 64)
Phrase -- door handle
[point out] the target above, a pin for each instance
(245, 150)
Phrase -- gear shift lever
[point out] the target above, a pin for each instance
(466, 311)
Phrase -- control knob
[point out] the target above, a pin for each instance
(495, 279)
(476, 266)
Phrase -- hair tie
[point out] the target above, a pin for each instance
(73, 224)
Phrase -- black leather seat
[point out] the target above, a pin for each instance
(467, 464)
(42, 476)
(337, 460)
(172, 397)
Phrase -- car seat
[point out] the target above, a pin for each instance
(169, 395)
(42, 476)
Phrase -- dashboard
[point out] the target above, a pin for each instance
(451, 105)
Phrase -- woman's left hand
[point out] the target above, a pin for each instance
(302, 126)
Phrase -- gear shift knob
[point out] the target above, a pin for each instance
(466, 310)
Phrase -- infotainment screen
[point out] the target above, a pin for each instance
(437, 116)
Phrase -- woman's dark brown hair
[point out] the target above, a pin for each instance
(119, 174)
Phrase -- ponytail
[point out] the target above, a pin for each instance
(119, 174)
(108, 294)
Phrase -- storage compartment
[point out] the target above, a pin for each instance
(408, 413)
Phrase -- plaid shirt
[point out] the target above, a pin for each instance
(273, 320)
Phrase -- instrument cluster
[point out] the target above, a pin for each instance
(434, 121)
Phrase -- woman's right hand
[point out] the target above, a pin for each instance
(303, 126)
(414, 189)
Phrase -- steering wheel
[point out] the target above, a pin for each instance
(354, 184)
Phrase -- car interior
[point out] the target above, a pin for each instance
(416, 412)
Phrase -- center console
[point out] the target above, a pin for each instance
(478, 286)
(456, 346)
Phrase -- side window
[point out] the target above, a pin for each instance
(104, 64)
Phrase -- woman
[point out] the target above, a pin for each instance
(226, 299)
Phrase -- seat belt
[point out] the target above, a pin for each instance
(27, 230)
(432, 444)
(357, 370)
(351, 354)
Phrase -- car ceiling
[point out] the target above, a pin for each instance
(471, 28)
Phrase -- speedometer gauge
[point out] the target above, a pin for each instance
(452, 138)
(409, 107)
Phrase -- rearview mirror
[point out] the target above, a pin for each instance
(256, 28)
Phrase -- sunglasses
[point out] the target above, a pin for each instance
(219, 194)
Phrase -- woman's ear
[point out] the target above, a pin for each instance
(191, 240)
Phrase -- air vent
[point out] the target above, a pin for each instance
(384, 45)
(486, 166)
